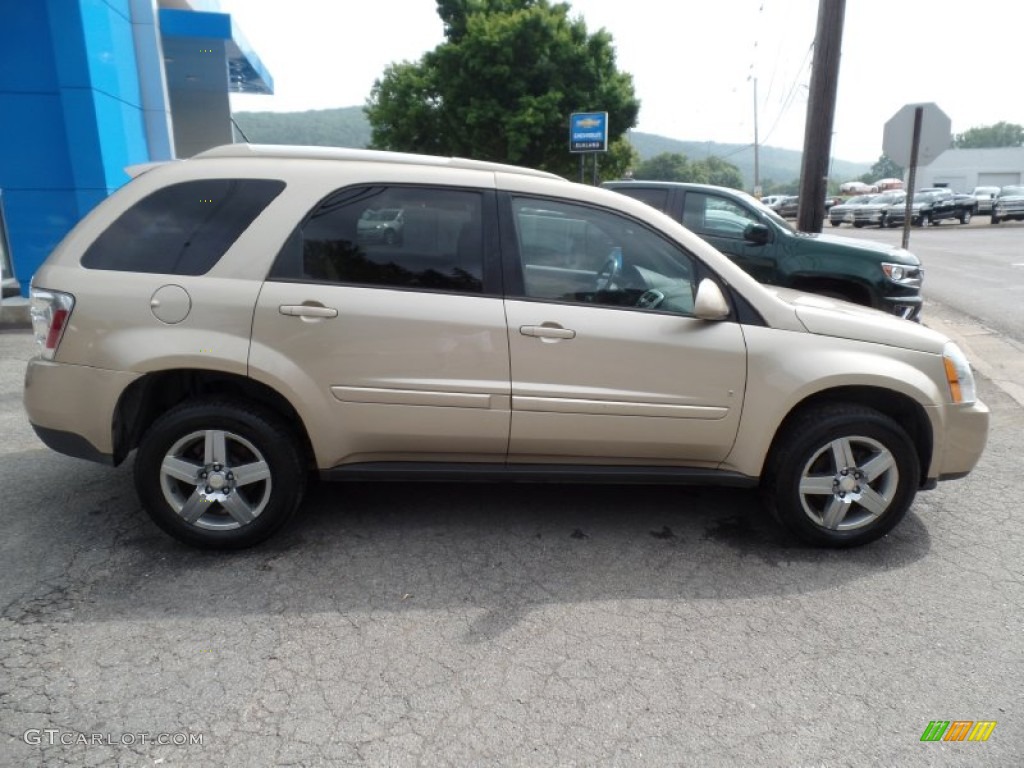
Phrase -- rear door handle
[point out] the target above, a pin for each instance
(547, 331)
(307, 310)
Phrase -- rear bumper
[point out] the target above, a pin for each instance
(71, 407)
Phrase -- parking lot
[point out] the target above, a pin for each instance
(460, 624)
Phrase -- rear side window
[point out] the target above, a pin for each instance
(395, 237)
(182, 229)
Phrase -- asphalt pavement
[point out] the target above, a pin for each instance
(525, 625)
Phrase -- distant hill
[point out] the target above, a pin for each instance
(345, 127)
(775, 164)
(348, 127)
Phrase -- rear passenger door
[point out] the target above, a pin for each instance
(383, 317)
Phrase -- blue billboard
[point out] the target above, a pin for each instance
(588, 132)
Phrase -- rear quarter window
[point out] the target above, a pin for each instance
(182, 229)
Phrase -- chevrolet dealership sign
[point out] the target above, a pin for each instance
(588, 132)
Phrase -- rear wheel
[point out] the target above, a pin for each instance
(841, 475)
(924, 220)
(218, 475)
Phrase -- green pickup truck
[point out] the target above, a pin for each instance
(772, 251)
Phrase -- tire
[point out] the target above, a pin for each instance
(924, 220)
(965, 217)
(834, 223)
(222, 439)
(858, 224)
(995, 219)
(805, 487)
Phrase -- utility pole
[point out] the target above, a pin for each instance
(821, 109)
(757, 163)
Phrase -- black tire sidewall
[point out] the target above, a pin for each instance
(800, 445)
(270, 437)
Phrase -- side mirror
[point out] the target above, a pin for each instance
(758, 234)
(710, 303)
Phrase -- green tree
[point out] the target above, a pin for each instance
(720, 173)
(1002, 134)
(885, 168)
(667, 166)
(502, 86)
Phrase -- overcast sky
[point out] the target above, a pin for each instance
(691, 60)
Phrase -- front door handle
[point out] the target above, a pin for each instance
(547, 331)
(307, 310)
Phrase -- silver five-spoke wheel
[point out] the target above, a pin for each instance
(842, 474)
(215, 479)
(220, 473)
(849, 483)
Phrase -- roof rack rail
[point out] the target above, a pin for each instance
(289, 151)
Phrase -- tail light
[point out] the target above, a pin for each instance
(50, 312)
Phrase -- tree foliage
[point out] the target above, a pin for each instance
(885, 168)
(502, 86)
(1002, 134)
(675, 166)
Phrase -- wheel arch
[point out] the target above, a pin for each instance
(901, 408)
(145, 399)
(851, 290)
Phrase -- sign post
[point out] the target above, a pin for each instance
(914, 136)
(588, 134)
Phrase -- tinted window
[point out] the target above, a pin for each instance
(183, 229)
(656, 198)
(405, 237)
(575, 253)
(713, 215)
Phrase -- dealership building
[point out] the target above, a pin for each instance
(88, 87)
(964, 169)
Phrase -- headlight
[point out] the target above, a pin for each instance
(902, 274)
(958, 374)
(893, 271)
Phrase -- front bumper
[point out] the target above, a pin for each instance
(959, 447)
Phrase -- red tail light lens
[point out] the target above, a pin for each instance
(50, 312)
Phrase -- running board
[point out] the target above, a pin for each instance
(412, 471)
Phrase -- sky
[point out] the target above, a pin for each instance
(693, 63)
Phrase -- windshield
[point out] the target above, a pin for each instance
(764, 209)
(859, 200)
(1005, 191)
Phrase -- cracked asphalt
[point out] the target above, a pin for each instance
(532, 625)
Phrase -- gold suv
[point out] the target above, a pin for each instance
(235, 320)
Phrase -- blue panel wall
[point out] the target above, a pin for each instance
(72, 117)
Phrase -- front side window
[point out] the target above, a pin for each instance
(181, 229)
(713, 215)
(656, 197)
(574, 253)
(399, 237)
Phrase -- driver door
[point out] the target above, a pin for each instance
(608, 363)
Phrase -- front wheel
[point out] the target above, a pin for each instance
(924, 220)
(841, 475)
(995, 219)
(965, 217)
(218, 475)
